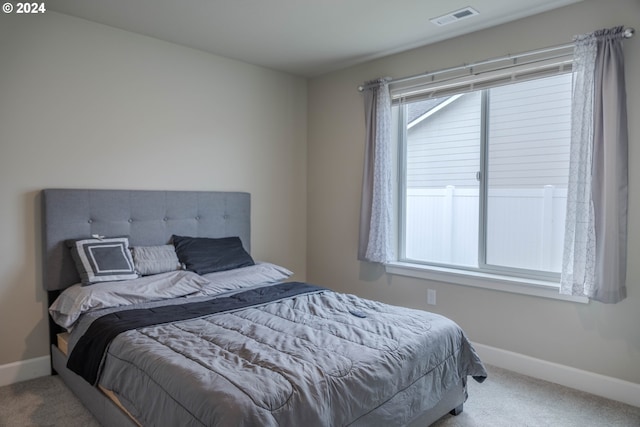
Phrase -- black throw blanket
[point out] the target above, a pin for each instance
(86, 357)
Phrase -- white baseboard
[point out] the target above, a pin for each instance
(24, 370)
(600, 385)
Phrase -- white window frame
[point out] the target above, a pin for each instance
(505, 279)
(476, 279)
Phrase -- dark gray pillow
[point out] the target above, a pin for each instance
(204, 255)
(102, 260)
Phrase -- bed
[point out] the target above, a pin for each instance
(242, 345)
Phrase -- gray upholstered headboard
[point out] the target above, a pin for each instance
(147, 217)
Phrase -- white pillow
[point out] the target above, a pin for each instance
(78, 299)
(262, 273)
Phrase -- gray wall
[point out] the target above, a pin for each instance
(84, 105)
(603, 339)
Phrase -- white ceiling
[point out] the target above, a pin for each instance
(301, 37)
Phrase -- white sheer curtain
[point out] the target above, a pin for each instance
(376, 205)
(595, 250)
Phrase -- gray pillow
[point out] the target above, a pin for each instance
(155, 259)
(102, 260)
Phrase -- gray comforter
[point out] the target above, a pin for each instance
(320, 359)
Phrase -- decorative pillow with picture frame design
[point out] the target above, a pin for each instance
(101, 259)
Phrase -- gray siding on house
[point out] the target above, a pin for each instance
(529, 131)
(444, 149)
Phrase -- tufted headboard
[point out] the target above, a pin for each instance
(147, 217)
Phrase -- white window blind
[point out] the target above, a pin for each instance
(483, 75)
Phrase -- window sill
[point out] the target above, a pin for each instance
(538, 288)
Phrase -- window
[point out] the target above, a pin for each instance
(483, 178)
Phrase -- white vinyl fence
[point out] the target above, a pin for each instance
(525, 227)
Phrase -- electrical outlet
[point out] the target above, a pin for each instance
(431, 296)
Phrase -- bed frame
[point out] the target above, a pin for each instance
(147, 218)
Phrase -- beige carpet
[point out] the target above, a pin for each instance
(505, 399)
(44, 401)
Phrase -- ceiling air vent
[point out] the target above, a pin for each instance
(454, 16)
